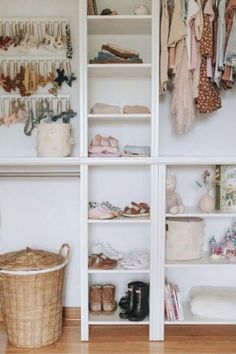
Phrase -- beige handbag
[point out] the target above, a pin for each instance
(54, 140)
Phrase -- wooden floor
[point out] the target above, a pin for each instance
(132, 340)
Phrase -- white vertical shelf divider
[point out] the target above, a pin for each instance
(156, 330)
(83, 169)
(83, 78)
(161, 249)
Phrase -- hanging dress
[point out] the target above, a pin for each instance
(208, 99)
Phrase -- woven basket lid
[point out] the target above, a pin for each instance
(30, 259)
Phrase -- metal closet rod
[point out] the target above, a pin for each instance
(35, 97)
(35, 19)
(39, 174)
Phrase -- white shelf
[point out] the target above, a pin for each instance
(119, 161)
(14, 165)
(190, 319)
(119, 70)
(113, 319)
(120, 24)
(118, 270)
(119, 117)
(121, 220)
(203, 262)
(196, 212)
(198, 160)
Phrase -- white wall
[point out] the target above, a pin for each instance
(213, 134)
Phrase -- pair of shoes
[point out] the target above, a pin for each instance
(100, 261)
(136, 260)
(105, 248)
(102, 298)
(99, 211)
(137, 306)
(136, 210)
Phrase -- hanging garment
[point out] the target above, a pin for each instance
(209, 95)
(194, 30)
(164, 49)
(196, 72)
(177, 32)
(227, 78)
(184, 9)
(182, 105)
(230, 55)
(220, 43)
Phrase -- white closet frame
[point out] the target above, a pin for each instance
(156, 318)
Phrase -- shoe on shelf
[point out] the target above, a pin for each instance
(136, 260)
(105, 248)
(113, 208)
(95, 298)
(98, 211)
(131, 300)
(108, 299)
(141, 308)
(100, 261)
(136, 210)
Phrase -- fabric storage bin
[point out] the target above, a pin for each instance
(54, 140)
(31, 295)
(184, 238)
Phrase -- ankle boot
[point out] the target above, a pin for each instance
(141, 309)
(131, 299)
(95, 298)
(108, 298)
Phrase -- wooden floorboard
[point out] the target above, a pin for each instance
(123, 340)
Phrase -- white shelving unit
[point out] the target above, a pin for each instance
(94, 30)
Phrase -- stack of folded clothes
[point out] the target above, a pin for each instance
(136, 110)
(103, 108)
(104, 147)
(114, 55)
(139, 151)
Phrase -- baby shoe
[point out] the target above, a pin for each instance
(113, 208)
(100, 212)
(105, 248)
(136, 260)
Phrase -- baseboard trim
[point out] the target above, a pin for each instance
(200, 330)
(72, 318)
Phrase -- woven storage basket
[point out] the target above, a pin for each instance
(31, 295)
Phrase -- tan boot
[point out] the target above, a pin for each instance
(95, 298)
(108, 298)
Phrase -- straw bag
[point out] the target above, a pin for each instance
(31, 295)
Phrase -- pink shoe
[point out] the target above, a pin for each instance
(101, 212)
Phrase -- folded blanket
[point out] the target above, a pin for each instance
(136, 110)
(105, 154)
(104, 58)
(137, 150)
(103, 108)
(120, 52)
(102, 149)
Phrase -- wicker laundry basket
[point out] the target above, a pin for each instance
(31, 295)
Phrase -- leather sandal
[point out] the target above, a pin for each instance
(136, 210)
(100, 261)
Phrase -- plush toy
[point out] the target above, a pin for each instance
(174, 204)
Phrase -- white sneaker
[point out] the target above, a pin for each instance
(105, 248)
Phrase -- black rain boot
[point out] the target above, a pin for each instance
(141, 309)
(131, 299)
